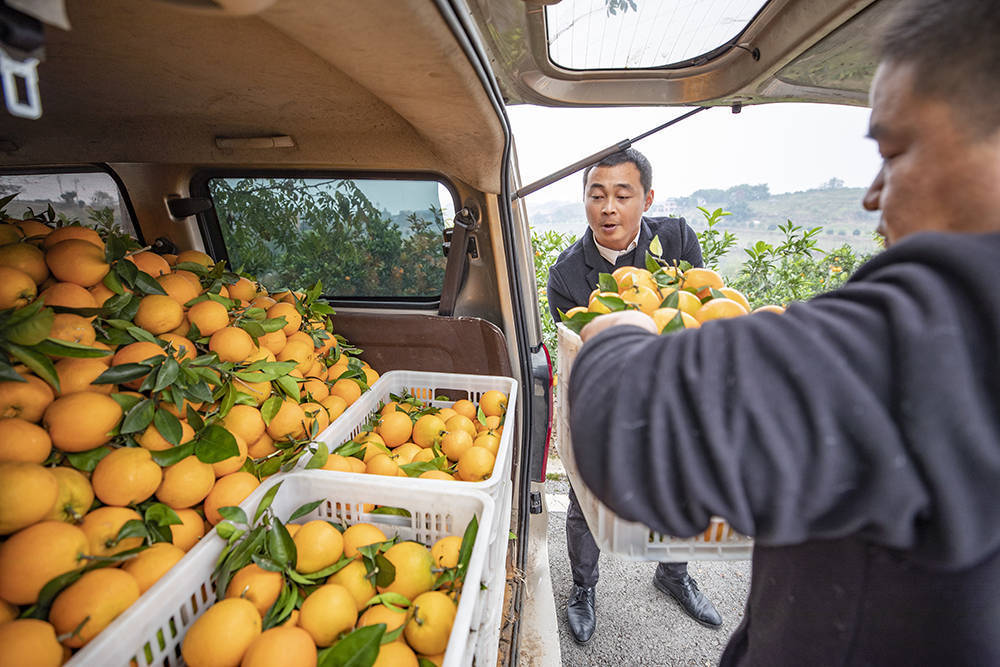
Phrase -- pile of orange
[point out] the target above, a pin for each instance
(416, 606)
(411, 438)
(80, 459)
(674, 298)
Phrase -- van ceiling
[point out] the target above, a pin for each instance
(357, 85)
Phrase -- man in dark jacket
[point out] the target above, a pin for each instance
(856, 436)
(617, 191)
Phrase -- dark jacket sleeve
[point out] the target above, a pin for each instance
(558, 294)
(869, 412)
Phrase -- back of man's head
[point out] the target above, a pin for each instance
(954, 49)
(621, 157)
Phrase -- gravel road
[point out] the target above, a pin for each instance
(636, 623)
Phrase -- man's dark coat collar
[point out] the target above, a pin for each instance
(597, 265)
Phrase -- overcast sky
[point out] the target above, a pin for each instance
(789, 147)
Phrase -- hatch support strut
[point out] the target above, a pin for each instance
(597, 157)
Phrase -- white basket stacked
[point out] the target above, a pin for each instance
(155, 625)
(627, 538)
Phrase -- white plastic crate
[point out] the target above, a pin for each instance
(627, 538)
(427, 387)
(158, 621)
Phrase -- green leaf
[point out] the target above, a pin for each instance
(671, 300)
(579, 321)
(168, 457)
(161, 515)
(424, 662)
(304, 510)
(31, 330)
(139, 417)
(253, 328)
(270, 408)
(607, 283)
(169, 426)
(272, 324)
(280, 545)
(225, 530)
(132, 528)
(613, 303)
(111, 280)
(234, 514)
(288, 385)
(8, 374)
(194, 418)
(468, 541)
(54, 347)
(386, 571)
(122, 373)
(36, 361)
(318, 459)
(391, 511)
(215, 444)
(127, 271)
(418, 468)
(194, 267)
(266, 502)
(656, 247)
(87, 461)
(141, 334)
(675, 323)
(716, 294)
(169, 371)
(651, 264)
(51, 590)
(126, 401)
(358, 649)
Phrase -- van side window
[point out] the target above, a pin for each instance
(90, 197)
(360, 237)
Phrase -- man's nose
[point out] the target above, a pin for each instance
(609, 205)
(872, 198)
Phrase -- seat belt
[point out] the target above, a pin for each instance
(457, 250)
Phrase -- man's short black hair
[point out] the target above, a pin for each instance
(954, 49)
(621, 157)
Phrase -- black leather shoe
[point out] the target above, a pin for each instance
(582, 613)
(684, 589)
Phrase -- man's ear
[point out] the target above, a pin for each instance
(649, 200)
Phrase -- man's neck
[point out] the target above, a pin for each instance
(612, 255)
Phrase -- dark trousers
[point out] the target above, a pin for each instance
(584, 552)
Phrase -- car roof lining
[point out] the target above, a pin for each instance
(354, 88)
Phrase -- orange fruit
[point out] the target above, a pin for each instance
(292, 317)
(327, 612)
(150, 262)
(72, 328)
(359, 535)
(101, 293)
(462, 423)
(395, 654)
(436, 474)
(466, 408)
(209, 316)
(243, 290)
(347, 389)
(31, 643)
(289, 421)
(379, 613)
(20, 440)
(737, 296)
(335, 406)
(231, 344)
(642, 297)
(77, 261)
(719, 309)
(75, 496)
(30, 558)
(78, 374)
(489, 441)
(153, 440)
(258, 391)
(10, 233)
(454, 443)
(702, 281)
(178, 287)
(425, 455)
(126, 476)
(319, 545)
(81, 421)
(101, 527)
(152, 563)
(186, 483)
(134, 353)
(17, 288)
(158, 314)
(663, 316)
(27, 400)
(191, 529)
(316, 388)
(68, 295)
(287, 646)
(262, 447)
(222, 635)
(195, 256)
(274, 341)
(395, 428)
(73, 232)
(354, 577)
(475, 465)
(414, 569)
(25, 258)
(259, 586)
(234, 462)
(428, 430)
(382, 464)
(183, 347)
(429, 628)
(27, 494)
(245, 421)
(493, 403)
(262, 301)
(229, 491)
(405, 452)
(33, 229)
(315, 414)
(445, 551)
(770, 308)
(92, 602)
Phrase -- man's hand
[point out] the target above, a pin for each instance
(633, 317)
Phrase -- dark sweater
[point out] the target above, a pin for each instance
(857, 437)
(574, 275)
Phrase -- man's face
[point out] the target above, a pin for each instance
(937, 173)
(615, 202)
